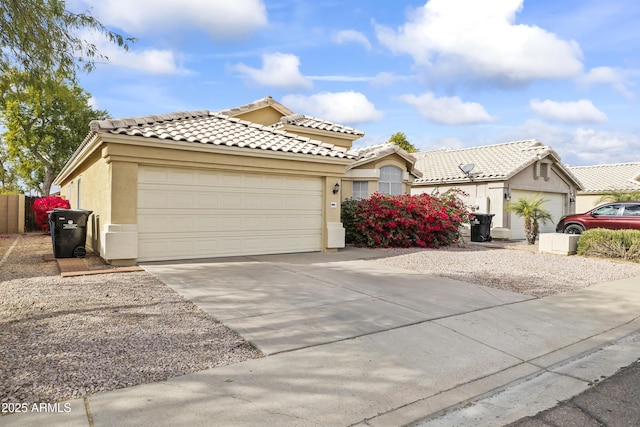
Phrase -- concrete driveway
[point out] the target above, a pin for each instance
(287, 302)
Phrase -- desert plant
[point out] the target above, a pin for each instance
(619, 196)
(402, 221)
(620, 244)
(532, 211)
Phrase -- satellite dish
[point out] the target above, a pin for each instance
(466, 169)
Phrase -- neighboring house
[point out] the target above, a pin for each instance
(202, 184)
(384, 168)
(599, 179)
(498, 174)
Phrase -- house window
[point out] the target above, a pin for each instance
(360, 189)
(390, 180)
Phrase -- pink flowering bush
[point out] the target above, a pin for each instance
(44, 205)
(423, 220)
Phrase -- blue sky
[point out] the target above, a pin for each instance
(447, 73)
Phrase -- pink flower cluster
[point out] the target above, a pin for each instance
(44, 205)
(403, 221)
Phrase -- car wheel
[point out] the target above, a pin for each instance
(573, 229)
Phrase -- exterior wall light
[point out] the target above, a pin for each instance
(507, 196)
(336, 188)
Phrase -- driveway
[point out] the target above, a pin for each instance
(281, 303)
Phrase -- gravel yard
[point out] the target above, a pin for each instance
(516, 267)
(64, 338)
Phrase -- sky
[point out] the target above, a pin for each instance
(447, 73)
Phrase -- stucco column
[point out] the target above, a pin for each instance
(333, 232)
(120, 233)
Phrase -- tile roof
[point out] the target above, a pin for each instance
(255, 105)
(374, 152)
(492, 162)
(309, 122)
(205, 127)
(601, 178)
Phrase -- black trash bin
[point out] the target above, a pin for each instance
(481, 227)
(69, 232)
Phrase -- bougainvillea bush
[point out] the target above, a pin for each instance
(45, 205)
(423, 220)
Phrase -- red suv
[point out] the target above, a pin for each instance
(614, 216)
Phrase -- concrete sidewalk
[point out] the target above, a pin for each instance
(517, 358)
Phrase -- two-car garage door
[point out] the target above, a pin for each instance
(192, 213)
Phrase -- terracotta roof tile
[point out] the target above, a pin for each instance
(373, 152)
(601, 178)
(492, 162)
(218, 129)
(309, 122)
(260, 103)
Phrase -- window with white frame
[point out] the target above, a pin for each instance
(390, 180)
(360, 189)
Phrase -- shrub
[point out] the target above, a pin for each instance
(403, 221)
(622, 244)
(44, 205)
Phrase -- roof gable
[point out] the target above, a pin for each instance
(492, 162)
(602, 178)
(313, 123)
(267, 101)
(376, 152)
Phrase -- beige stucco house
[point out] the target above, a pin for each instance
(492, 175)
(202, 184)
(384, 168)
(254, 179)
(599, 179)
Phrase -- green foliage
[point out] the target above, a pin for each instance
(532, 211)
(348, 212)
(400, 139)
(44, 123)
(8, 177)
(402, 221)
(620, 196)
(621, 244)
(40, 38)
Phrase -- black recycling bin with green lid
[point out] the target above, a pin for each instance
(69, 232)
(481, 227)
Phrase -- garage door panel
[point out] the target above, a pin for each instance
(185, 213)
(554, 204)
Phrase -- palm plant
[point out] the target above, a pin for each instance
(532, 211)
(620, 196)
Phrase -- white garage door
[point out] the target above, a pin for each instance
(555, 205)
(191, 213)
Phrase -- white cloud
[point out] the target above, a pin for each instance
(447, 110)
(339, 107)
(385, 78)
(579, 146)
(582, 111)
(616, 77)
(221, 19)
(480, 40)
(600, 147)
(351, 36)
(151, 61)
(278, 70)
